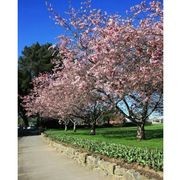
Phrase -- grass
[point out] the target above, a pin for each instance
(119, 135)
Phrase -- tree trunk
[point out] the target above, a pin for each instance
(140, 131)
(65, 129)
(74, 127)
(38, 121)
(108, 122)
(22, 113)
(93, 129)
(25, 120)
(89, 125)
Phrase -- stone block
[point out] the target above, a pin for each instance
(132, 175)
(92, 161)
(80, 158)
(119, 171)
(70, 152)
(106, 166)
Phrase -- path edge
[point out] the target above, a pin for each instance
(100, 165)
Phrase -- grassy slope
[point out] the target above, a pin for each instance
(120, 135)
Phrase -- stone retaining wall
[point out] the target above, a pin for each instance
(97, 163)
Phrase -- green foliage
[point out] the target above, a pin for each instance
(35, 59)
(150, 157)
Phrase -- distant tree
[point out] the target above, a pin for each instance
(35, 59)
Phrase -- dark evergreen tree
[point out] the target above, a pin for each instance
(34, 60)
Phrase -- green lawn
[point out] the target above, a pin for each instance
(119, 135)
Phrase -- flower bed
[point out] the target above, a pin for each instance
(151, 158)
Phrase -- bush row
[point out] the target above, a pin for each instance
(152, 158)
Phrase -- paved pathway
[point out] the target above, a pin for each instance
(38, 161)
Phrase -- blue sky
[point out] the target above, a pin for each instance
(34, 24)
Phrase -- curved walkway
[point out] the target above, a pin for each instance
(38, 161)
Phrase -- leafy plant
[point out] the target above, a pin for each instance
(145, 157)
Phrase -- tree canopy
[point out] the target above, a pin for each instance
(34, 60)
(107, 60)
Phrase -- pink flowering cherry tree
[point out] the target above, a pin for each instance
(124, 56)
(121, 59)
(128, 63)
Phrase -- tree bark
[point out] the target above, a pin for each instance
(22, 113)
(74, 127)
(108, 122)
(65, 129)
(140, 131)
(38, 122)
(25, 120)
(93, 129)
